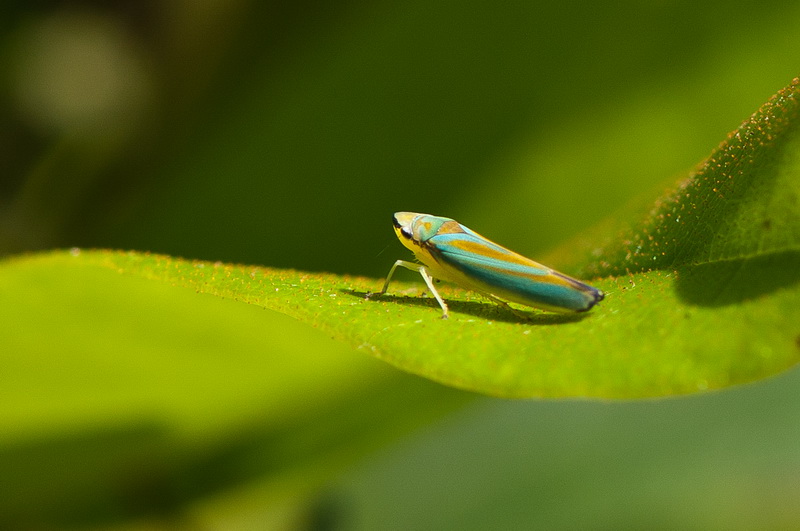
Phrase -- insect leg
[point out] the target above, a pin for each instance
(425, 276)
(429, 281)
(408, 265)
(506, 305)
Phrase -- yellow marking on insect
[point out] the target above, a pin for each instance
(450, 251)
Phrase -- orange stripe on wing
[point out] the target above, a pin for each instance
(499, 252)
(551, 277)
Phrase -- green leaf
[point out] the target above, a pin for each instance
(702, 293)
(740, 204)
(121, 395)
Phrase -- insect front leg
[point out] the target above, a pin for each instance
(408, 265)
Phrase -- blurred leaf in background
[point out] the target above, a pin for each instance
(717, 461)
(285, 134)
(278, 133)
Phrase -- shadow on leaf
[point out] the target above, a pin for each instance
(734, 281)
(484, 310)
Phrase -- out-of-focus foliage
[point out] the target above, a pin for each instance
(284, 134)
(716, 461)
(128, 398)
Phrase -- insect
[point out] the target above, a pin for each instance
(450, 251)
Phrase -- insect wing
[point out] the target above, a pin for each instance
(485, 266)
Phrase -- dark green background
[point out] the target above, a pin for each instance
(286, 133)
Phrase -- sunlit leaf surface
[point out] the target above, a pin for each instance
(702, 294)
